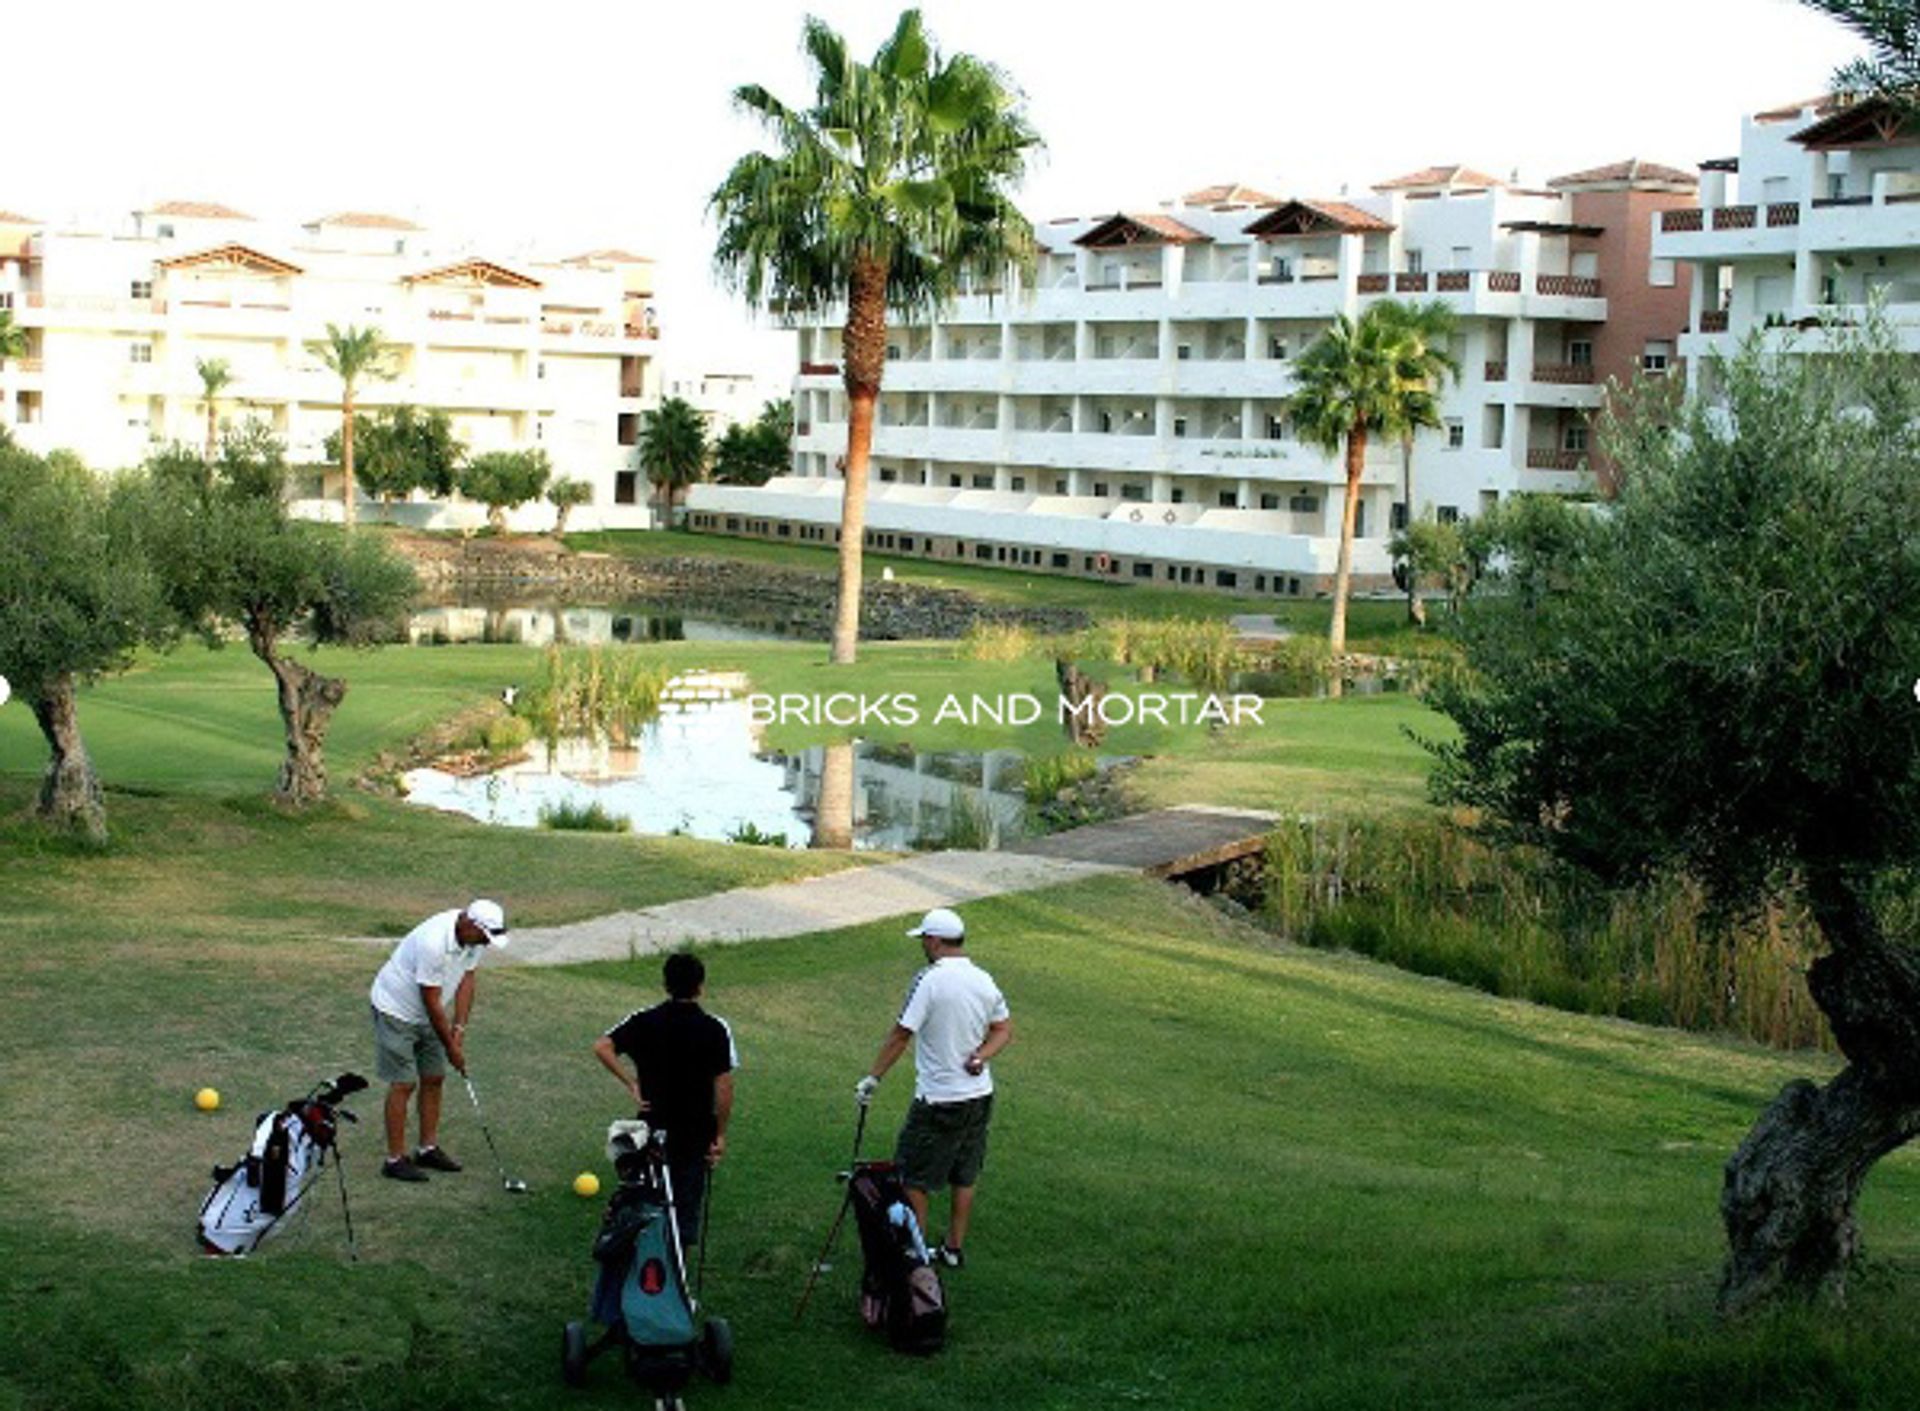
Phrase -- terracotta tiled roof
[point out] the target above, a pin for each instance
(1446, 177)
(1141, 230)
(1316, 217)
(366, 220)
(1822, 105)
(610, 257)
(1631, 170)
(1866, 123)
(477, 271)
(1233, 193)
(198, 210)
(232, 254)
(15, 218)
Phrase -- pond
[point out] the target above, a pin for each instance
(700, 769)
(571, 624)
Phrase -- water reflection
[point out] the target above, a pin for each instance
(569, 625)
(700, 769)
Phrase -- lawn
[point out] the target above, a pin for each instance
(1260, 1169)
(1371, 623)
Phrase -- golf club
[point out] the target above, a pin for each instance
(507, 1183)
(846, 1203)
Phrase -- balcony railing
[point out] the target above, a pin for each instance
(1734, 217)
(1410, 282)
(1453, 281)
(1821, 203)
(1783, 213)
(1567, 286)
(1503, 281)
(1688, 218)
(1271, 278)
(1547, 458)
(819, 369)
(1373, 284)
(1564, 374)
(1496, 370)
(1713, 321)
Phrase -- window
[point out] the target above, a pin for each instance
(983, 482)
(1179, 495)
(906, 543)
(893, 352)
(1132, 492)
(1580, 352)
(1303, 503)
(983, 551)
(1656, 358)
(1143, 570)
(1019, 483)
(1224, 579)
(1099, 489)
(140, 352)
(1836, 186)
(1573, 436)
(1059, 487)
(1229, 500)
(1448, 514)
(1106, 422)
(141, 289)
(626, 485)
(1269, 502)
(1184, 352)
(1277, 348)
(1179, 426)
(1397, 517)
(165, 232)
(1415, 261)
(1463, 257)
(1276, 427)
(6, 301)
(539, 372)
(888, 475)
(1059, 560)
(1493, 428)
(1456, 433)
(1661, 274)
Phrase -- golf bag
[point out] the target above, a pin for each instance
(640, 1294)
(250, 1198)
(899, 1287)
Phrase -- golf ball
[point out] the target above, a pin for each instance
(586, 1183)
(207, 1099)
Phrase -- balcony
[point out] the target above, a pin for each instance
(1503, 281)
(1564, 374)
(819, 369)
(1734, 217)
(1783, 213)
(1410, 282)
(1496, 370)
(1713, 321)
(1453, 281)
(1372, 284)
(1547, 458)
(1677, 222)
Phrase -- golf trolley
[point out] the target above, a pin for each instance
(251, 1198)
(641, 1295)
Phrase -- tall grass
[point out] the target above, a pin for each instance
(1428, 897)
(594, 692)
(1043, 779)
(1203, 652)
(1000, 641)
(570, 817)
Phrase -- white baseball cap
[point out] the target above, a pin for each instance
(942, 925)
(489, 917)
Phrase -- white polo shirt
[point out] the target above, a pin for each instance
(430, 955)
(948, 1008)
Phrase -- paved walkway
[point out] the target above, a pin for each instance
(850, 898)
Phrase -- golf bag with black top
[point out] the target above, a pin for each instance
(640, 1295)
(251, 1198)
(899, 1289)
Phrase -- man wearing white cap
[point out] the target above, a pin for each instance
(414, 1037)
(957, 1020)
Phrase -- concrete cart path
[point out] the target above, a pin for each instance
(851, 898)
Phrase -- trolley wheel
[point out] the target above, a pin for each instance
(573, 1355)
(716, 1350)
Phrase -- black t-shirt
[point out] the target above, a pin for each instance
(678, 1049)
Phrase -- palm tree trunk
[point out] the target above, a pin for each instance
(864, 350)
(213, 430)
(346, 456)
(1343, 569)
(833, 811)
(1416, 610)
(70, 791)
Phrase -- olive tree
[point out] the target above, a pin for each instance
(504, 480)
(79, 599)
(230, 558)
(1716, 677)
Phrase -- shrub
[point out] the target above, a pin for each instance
(582, 818)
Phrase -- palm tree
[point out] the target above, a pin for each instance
(1353, 385)
(1427, 365)
(215, 376)
(1891, 68)
(880, 196)
(673, 449)
(351, 354)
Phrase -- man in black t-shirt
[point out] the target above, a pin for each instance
(683, 1060)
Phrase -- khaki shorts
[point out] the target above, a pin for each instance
(944, 1142)
(406, 1053)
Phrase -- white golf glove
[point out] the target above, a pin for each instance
(864, 1090)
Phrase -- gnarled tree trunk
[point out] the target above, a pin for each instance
(70, 790)
(864, 351)
(307, 701)
(1789, 1191)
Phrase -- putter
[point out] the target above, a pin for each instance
(846, 1203)
(507, 1183)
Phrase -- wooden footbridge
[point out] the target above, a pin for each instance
(1169, 842)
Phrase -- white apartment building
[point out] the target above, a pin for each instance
(1817, 218)
(520, 352)
(728, 399)
(1121, 413)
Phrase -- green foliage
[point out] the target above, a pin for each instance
(79, 596)
(673, 448)
(13, 338)
(1435, 556)
(1043, 780)
(504, 480)
(753, 836)
(1204, 652)
(593, 692)
(998, 641)
(354, 354)
(910, 159)
(1891, 68)
(569, 494)
(400, 449)
(1426, 896)
(1372, 376)
(582, 818)
(752, 454)
(1716, 678)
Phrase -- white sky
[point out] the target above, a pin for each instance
(582, 123)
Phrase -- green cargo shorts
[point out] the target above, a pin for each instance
(944, 1142)
(406, 1053)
